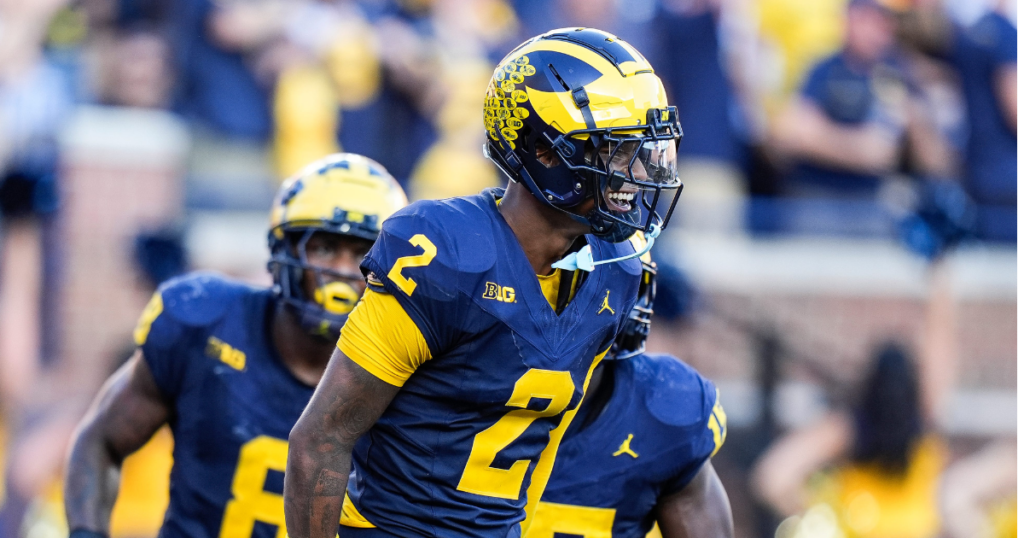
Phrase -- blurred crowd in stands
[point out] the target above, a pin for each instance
(809, 112)
(854, 118)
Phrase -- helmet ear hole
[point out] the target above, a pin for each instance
(546, 155)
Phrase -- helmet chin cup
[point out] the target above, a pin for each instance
(338, 298)
(315, 320)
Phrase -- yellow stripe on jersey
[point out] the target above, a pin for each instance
(541, 473)
(350, 516)
(152, 311)
(549, 284)
(381, 337)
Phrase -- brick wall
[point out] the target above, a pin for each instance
(121, 174)
(839, 332)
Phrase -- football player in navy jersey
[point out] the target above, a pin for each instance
(230, 367)
(458, 372)
(640, 448)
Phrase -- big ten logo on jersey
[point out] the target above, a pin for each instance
(503, 294)
(222, 351)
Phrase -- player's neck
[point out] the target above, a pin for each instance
(305, 356)
(543, 233)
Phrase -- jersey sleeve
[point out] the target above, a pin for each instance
(383, 339)
(156, 335)
(415, 264)
(701, 441)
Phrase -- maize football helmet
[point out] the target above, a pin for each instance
(344, 194)
(578, 114)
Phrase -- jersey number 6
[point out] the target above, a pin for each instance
(250, 502)
(479, 477)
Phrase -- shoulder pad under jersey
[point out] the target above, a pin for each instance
(202, 298)
(435, 244)
(676, 394)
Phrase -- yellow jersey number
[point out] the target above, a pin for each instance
(250, 502)
(553, 518)
(479, 477)
(717, 424)
(405, 284)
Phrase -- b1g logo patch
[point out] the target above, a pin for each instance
(502, 294)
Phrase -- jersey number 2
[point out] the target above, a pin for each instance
(478, 476)
(405, 284)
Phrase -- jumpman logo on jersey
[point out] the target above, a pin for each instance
(605, 305)
(624, 448)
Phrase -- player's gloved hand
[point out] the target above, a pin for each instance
(942, 217)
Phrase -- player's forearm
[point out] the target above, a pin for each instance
(347, 403)
(91, 483)
(804, 132)
(126, 413)
(315, 482)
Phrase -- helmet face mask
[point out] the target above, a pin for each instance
(321, 297)
(594, 102)
(333, 207)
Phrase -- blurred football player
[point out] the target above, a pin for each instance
(466, 358)
(230, 367)
(639, 450)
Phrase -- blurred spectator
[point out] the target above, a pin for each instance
(345, 90)
(470, 35)
(984, 55)
(884, 457)
(793, 36)
(630, 20)
(136, 70)
(218, 48)
(691, 60)
(227, 58)
(399, 82)
(34, 100)
(845, 130)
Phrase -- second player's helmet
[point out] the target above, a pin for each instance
(567, 111)
(344, 194)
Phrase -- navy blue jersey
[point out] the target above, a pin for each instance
(853, 97)
(454, 453)
(207, 341)
(661, 423)
(978, 53)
